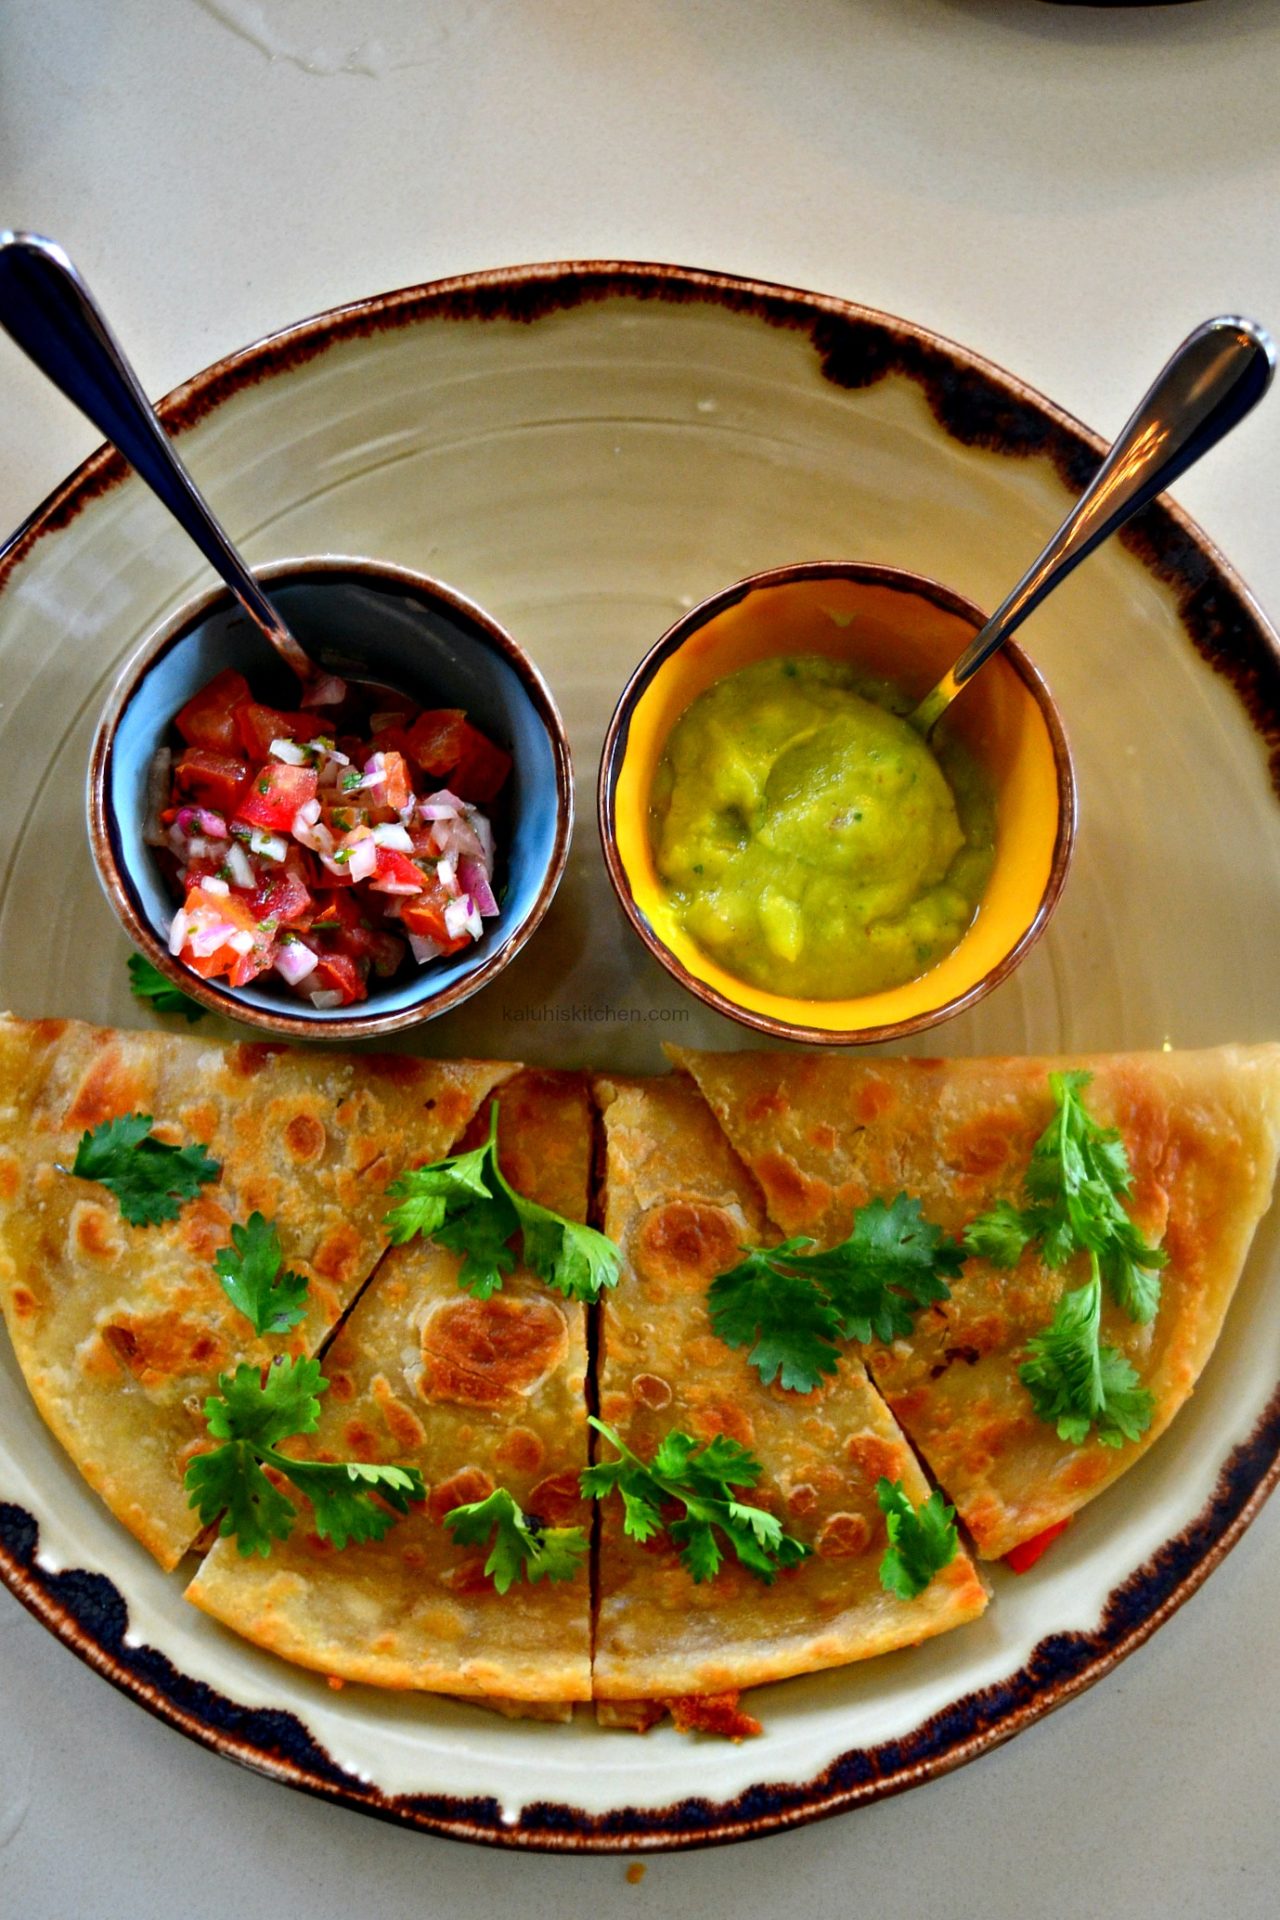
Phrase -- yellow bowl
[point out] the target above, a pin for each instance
(908, 629)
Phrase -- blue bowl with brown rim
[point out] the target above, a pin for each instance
(361, 618)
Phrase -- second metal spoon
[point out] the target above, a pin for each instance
(1218, 373)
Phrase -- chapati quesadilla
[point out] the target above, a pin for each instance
(823, 1134)
(122, 1330)
(476, 1394)
(680, 1205)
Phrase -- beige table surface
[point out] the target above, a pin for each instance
(1068, 190)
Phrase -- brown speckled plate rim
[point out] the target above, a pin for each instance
(976, 403)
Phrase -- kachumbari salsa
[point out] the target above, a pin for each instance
(327, 845)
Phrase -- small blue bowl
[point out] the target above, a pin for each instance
(363, 618)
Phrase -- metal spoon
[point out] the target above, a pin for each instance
(1218, 373)
(47, 309)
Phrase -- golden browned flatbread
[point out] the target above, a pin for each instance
(824, 1133)
(680, 1204)
(475, 1394)
(121, 1331)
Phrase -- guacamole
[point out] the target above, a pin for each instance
(810, 841)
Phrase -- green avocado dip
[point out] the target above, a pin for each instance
(809, 839)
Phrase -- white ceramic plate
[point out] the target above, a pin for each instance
(586, 451)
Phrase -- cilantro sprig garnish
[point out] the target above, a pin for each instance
(148, 983)
(464, 1203)
(1076, 1183)
(701, 1479)
(255, 1411)
(792, 1305)
(922, 1540)
(1076, 1383)
(522, 1549)
(250, 1272)
(150, 1179)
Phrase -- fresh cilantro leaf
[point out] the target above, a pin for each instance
(793, 1325)
(1002, 1234)
(340, 1491)
(146, 982)
(249, 1270)
(149, 1179)
(522, 1547)
(795, 1303)
(891, 1265)
(922, 1540)
(1077, 1182)
(465, 1204)
(1076, 1383)
(564, 1253)
(700, 1478)
(240, 1479)
(432, 1193)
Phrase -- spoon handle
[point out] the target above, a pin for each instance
(47, 309)
(1218, 373)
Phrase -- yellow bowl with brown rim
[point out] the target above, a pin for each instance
(908, 629)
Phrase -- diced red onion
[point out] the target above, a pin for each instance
(192, 820)
(327, 691)
(295, 961)
(441, 805)
(214, 885)
(446, 874)
(388, 834)
(289, 751)
(271, 846)
(364, 856)
(483, 831)
(456, 916)
(424, 948)
(242, 941)
(475, 881)
(241, 872)
(326, 1001)
(308, 813)
(178, 931)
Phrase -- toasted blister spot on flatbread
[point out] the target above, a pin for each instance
(494, 1392)
(133, 1327)
(482, 1353)
(1202, 1132)
(661, 1636)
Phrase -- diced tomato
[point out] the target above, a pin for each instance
(341, 816)
(336, 973)
(395, 789)
(435, 739)
(340, 910)
(424, 915)
(283, 897)
(240, 968)
(275, 794)
(1023, 1557)
(390, 740)
(257, 727)
(213, 780)
(396, 873)
(482, 768)
(208, 719)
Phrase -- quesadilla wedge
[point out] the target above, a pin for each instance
(824, 1134)
(476, 1394)
(680, 1204)
(122, 1330)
